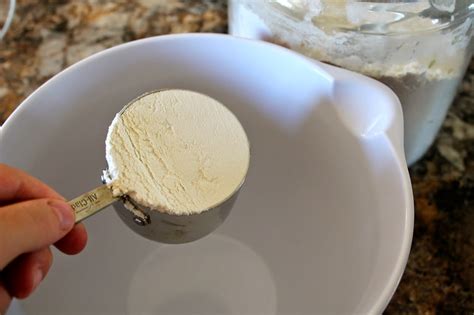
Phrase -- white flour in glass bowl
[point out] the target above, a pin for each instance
(422, 67)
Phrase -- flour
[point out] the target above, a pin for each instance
(177, 152)
(388, 42)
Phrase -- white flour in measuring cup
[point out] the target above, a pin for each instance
(177, 152)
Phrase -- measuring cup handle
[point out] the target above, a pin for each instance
(92, 202)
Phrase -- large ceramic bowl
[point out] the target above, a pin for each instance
(323, 224)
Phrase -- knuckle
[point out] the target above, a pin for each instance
(47, 215)
(37, 216)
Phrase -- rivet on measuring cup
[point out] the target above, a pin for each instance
(139, 217)
(105, 178)
(142, 221)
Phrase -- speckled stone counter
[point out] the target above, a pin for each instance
(49, 35)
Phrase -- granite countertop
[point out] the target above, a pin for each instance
(47, 36)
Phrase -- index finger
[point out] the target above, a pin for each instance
(16, 185)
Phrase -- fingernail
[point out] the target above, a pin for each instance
(64, 213)
(37, 277)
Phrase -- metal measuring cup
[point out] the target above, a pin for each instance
(153, 224)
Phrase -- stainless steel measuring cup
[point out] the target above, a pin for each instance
(149, 223)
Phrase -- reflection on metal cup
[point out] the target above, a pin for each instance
(175, 229)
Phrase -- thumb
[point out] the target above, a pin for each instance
(30, 225)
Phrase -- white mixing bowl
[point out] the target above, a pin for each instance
(323, 224)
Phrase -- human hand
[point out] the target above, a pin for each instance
(32, 218)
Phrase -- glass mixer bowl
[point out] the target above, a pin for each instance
(419, 48)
